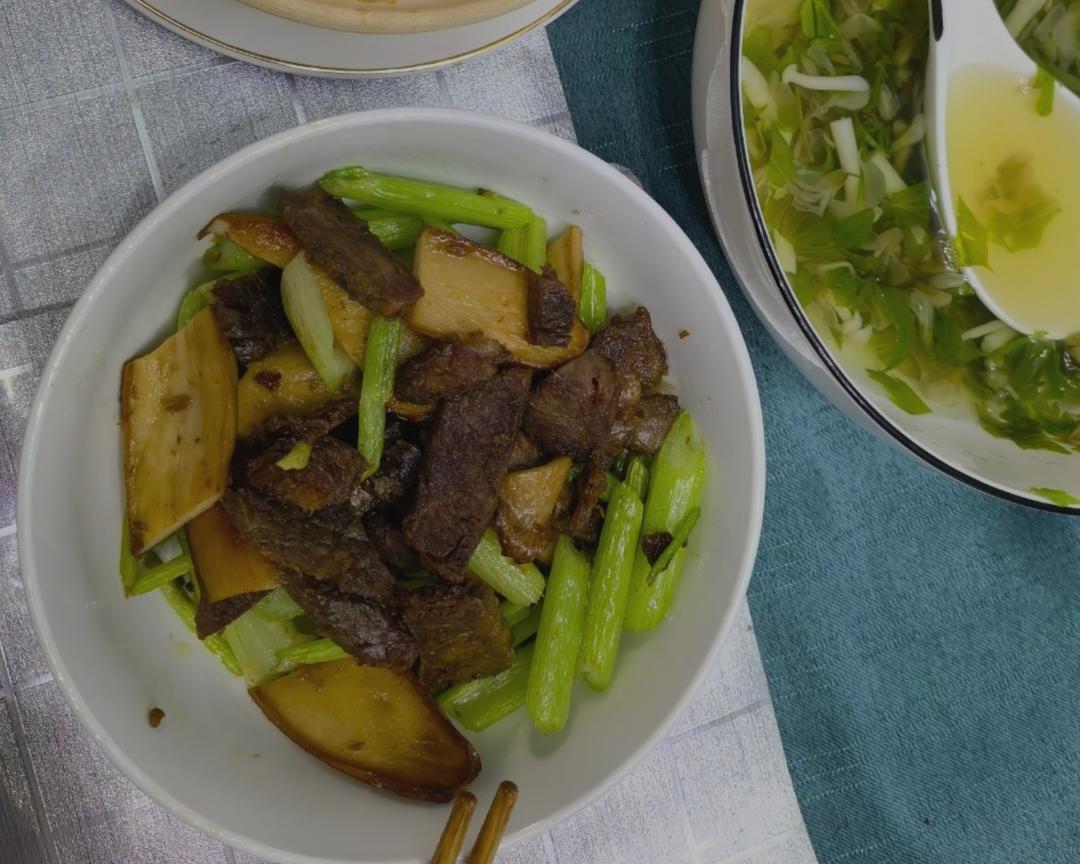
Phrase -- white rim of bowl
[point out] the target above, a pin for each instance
(832, 365)
(238, 53)
(755, 496)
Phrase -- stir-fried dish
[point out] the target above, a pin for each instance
(834, 123)
(395, 477)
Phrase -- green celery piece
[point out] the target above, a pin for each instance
(184, 607)
(476, 705)
(1043, 84)
(129, 564)
(679, 537)
(297, 458)
(535, 252)
(465, 206)
(376, 388)
(971, 240)
(394, 230)
(522, 631)
(519, 583)
(511, 243)
(676, 482)
(899, 392)
(1056, 496)
(309, 652)
(551, 678)
(277, 606)
(593, 306)
(637, 475)
(609, 587)
(224, 256)
(194, 302)
(155, 577)
(257, 642)
(304, 307)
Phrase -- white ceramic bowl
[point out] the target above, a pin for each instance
(216, 761)
(949, 439)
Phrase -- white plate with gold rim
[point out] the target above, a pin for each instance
(247, 33)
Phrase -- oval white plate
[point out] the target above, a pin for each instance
(246, 33)
(216, 761)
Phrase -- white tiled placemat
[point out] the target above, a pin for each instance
(102, 114)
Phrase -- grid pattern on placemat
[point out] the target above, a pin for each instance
(921, 639)
(102, 114)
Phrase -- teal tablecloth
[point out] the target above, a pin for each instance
(921, 639)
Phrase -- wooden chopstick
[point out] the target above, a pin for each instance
(491, 832)
(453, 835)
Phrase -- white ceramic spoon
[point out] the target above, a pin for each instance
(971, 33)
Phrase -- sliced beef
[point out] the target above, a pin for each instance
(308, 427)
(525, 453)
(587, 514)
(551, 309)
(394, 484)
(249, 311)
(629, 342)
(643, 426)
(389, 540)
(449, 369)
(317, 546)
(572, 410)
(330, 478)
(653, 545)
(460, 631)
(346, 249)
(371, 632)
(212, 617)
(463, 466)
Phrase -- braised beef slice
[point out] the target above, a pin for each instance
(331, 476)
(394, 484)
(643, 426)
(308, 427)
(249, 311)
(463, 466)
(525, 453)
(321, 546)
(572, 409)
(449, 369)
(653, 545)
(629, 342)
(389, 540)
(371, 632)
(347, 250)
(586, 516)
(461, 633)
(211, 617)
(551, 309)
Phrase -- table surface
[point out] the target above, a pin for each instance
(102, 114)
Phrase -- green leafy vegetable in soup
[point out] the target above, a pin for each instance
(834, 122)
